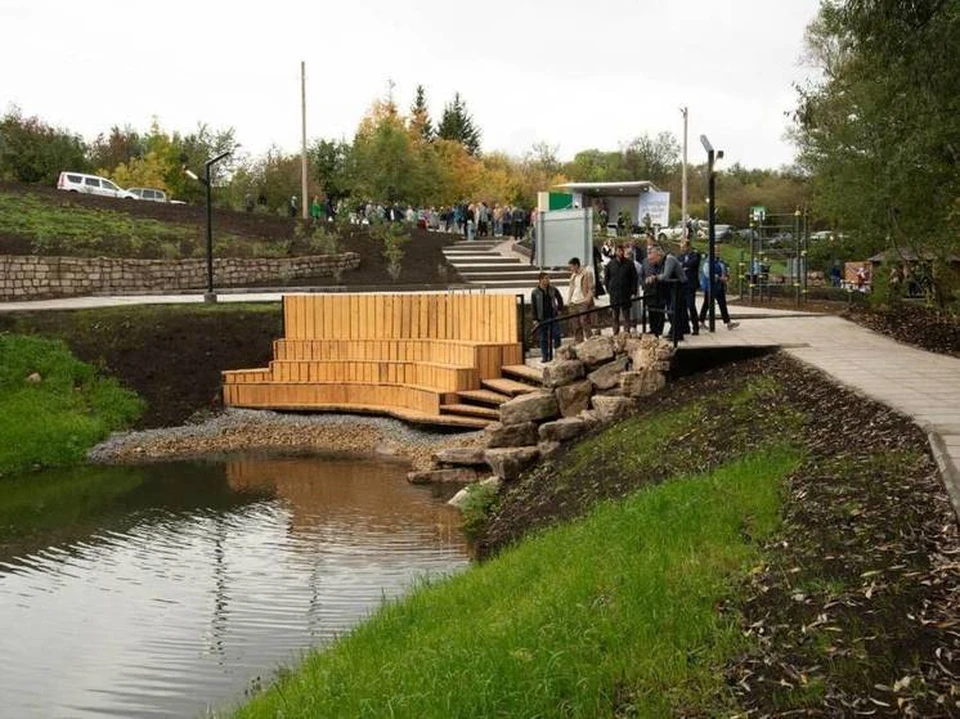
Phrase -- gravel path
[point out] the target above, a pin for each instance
(242, 429)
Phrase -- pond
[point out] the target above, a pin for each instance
(173, 589)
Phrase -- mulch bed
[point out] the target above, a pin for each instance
(914, 325)
(856, 609)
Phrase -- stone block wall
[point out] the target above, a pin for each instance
(25, 277)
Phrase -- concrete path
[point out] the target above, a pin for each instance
(922, 385)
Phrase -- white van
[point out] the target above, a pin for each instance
(148, 193)
(91, 185)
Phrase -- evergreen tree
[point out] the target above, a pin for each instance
(420, 121)
(457, 125)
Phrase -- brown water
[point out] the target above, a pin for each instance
(167, 590)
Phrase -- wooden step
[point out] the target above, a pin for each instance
(473, 410)
(530, 374)
(507, 386)
(484, 396)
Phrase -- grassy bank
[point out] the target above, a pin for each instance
(614, 614)
(170, 355)
(52, 406)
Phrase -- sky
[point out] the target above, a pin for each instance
(574, 75)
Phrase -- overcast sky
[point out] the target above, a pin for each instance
(575, 75)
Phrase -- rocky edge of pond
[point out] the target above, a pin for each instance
(236, 430)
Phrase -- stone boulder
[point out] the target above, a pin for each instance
(461, 457)
(462, 475)
(590, 418)
(562, 430)
(510, 435)
(508, 463)
(642, 383)
(611, 408)
(530, 407)
(566, 352)
(595, 350)
(608, 376)
(34, 378)
(562, 372)
(573, 398)
(549, 450)
(459, 499)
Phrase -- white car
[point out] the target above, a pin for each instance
(670, 233)
(91, 185)
(148, 193)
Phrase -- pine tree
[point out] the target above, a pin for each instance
(420, 121)
(457, 125)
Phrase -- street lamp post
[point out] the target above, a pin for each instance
(712, 156)
(209, 295)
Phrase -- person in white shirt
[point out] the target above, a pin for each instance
(580, 296)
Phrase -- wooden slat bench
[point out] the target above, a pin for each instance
(404, 354)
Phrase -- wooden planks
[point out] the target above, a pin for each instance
(507, 386)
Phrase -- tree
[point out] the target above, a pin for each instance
(880, 132)
(385, 164)
(332, 162)
(457, 125)
(654, 159)
(420, 123)
(32, 151)
(122, 144)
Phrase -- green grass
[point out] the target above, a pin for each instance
(612, 615)
(55, 228)
(56, 420)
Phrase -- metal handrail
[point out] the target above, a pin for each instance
(671, 313)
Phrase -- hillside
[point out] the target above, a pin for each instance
(45, 221)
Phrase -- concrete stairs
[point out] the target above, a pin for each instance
(482, 264)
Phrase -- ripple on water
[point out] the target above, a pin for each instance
(175, 610)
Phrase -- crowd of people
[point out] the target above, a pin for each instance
(646, 285)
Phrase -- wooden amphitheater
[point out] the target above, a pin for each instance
(436, 359)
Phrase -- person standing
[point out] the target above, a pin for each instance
(292, 206)
(621, 276)
(519, 224)
(580, 297)
(662, 273)
(721, 274)
(690, 262)
(248, 202)
(547, 305)
(316, 210)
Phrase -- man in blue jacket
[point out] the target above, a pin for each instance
(721, 275)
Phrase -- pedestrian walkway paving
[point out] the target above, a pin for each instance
(923, 385)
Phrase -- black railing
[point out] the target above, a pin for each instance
(671, 311)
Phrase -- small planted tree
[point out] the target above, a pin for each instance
(394, 238)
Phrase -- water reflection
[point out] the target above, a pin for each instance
(183, 583)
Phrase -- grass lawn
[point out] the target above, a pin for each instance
(57, 418)
(611, 615)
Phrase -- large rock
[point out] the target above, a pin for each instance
(530, 407)
(460, 498)
(549, 450)
(511, 435)
(608, 375)
(611, 408)
(562, 430)
(462, 475)
(590, 418)
(557, 374)
(461, 456)
(642, 383)
(508, 463)
(595, 350)
(566, 352)
(573, 398)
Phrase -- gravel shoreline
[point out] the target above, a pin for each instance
(236, 430)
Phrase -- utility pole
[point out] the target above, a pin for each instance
(683, 191)
(304, 206)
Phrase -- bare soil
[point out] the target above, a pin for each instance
(423, 265)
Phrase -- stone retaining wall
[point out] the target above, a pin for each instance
(30, 277)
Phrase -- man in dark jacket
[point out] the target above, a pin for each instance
(622, 287)
(547, 305)
(690, 261)
(661, 275)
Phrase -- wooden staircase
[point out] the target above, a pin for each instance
(484, 403)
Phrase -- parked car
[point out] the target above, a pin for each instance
(670, 233)
(148, 193)
(91, 185)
